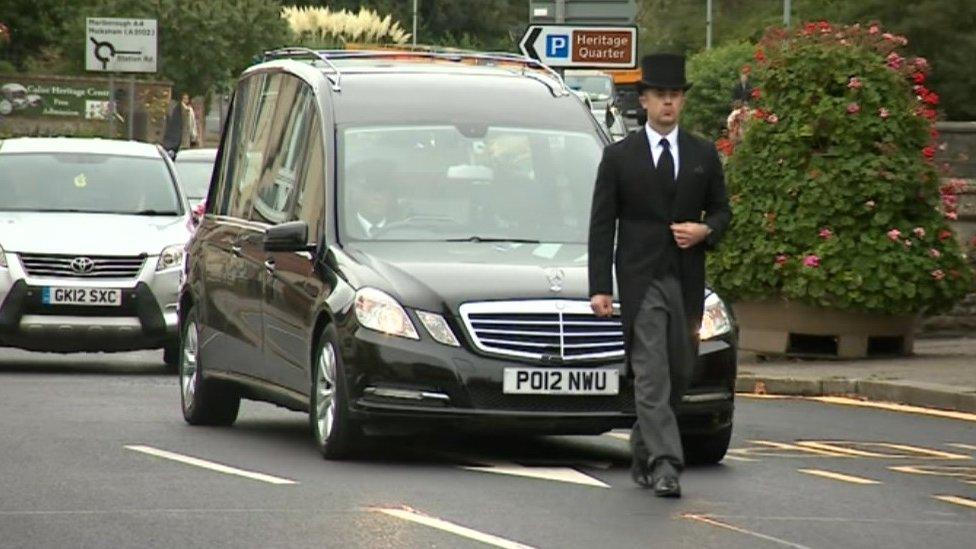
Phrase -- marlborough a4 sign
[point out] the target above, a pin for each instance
(572, 46)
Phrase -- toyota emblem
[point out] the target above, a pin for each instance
(82, 265)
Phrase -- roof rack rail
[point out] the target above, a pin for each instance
(555, 82)
(299, 51)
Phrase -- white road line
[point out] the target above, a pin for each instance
(559, 474)
(738, 458)
(838, 476)
(710, 521)
(965, 502)
(963, 446)
(456, 529)
(197, 462)
(895, 407)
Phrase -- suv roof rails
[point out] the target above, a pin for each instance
(529, 67)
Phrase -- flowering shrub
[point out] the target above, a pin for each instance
(836, 201)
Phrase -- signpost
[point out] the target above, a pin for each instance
(567, 46)
(583, 12)
(120, 45)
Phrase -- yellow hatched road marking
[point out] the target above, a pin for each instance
(965, 502)
(844, 401)
(963, 446)
(833, 447)
(712, 522)
(838, 476)
(797, 448)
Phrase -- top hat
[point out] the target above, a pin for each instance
(664, 71)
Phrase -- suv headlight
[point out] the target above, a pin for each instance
(378, 311)
(438, 328)
(171, 256)
(716, 319)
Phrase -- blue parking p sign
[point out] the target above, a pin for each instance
(557, 45)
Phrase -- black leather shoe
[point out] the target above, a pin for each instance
(667, 487)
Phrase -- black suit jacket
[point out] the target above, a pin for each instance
(632, 208)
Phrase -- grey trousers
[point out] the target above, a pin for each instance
(662, 358)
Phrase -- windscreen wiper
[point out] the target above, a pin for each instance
(151, 212)
(493, 239)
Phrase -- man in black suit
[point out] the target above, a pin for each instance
(660, 196)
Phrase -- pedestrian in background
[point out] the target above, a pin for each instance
(189, 139)
(173, 133)
(659, 201)
(742, 91)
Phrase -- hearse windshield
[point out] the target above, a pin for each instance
(466, 183)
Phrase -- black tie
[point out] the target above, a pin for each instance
(665, 164)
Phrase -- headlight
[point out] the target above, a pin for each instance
(378, 311)
(171, 256)
(437, 328)
(716, 319)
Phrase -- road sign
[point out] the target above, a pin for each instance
(583, 12)
(562, 46)
(120, 45)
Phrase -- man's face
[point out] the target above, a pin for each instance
(186, 99)
(663, 106)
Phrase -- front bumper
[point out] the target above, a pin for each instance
(146, 318)
(398, 386)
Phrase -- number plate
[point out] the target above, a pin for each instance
(98, 297)
(560, 381)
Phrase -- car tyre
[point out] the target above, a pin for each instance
(336, 434)
(204, 401)
(707, 449)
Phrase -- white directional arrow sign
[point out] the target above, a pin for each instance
(565, 46)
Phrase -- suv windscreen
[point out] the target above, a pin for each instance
(460, 182)
(91, 183)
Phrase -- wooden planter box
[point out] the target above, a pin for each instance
(779, 327)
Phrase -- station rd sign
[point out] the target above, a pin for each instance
(565, 46)
(120, 45)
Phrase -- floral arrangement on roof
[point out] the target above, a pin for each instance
(323, 27)
(836, 198)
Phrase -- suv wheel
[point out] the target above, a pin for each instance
(336, 434)
(205, 402)
(707, 449)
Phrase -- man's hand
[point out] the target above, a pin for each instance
(689, 234)
(602, 305)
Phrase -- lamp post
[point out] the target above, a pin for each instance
(787, 9)
(708, 25)
(414, 22)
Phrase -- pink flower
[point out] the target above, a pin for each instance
(919, 232)
(952, 216)
(772, 119)
(884, 113)
(935, 253)
(888, 36)
(894, 60)
(908, 243)
(873, 29)
(938, 274)
(894, 234)
(928, 152)
(944, 234)
(853, 108)
(826, 233)
(854, 83)
(811, 261)
(921, 63)
(781, 259)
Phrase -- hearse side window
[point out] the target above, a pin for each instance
(310, 202)
(286, 147)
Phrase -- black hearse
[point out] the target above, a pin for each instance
(395, 241)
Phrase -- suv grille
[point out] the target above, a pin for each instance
(543, 330)
(90, 266)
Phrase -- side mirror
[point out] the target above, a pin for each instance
(287, 237)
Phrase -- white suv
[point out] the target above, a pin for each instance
(92, 237)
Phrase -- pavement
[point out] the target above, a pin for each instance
(941, 374)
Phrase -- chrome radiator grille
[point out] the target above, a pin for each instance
(543, 330)
(90, 266)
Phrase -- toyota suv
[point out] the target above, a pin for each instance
(92, 236)
(396, 241)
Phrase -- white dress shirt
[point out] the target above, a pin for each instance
(654, 141)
